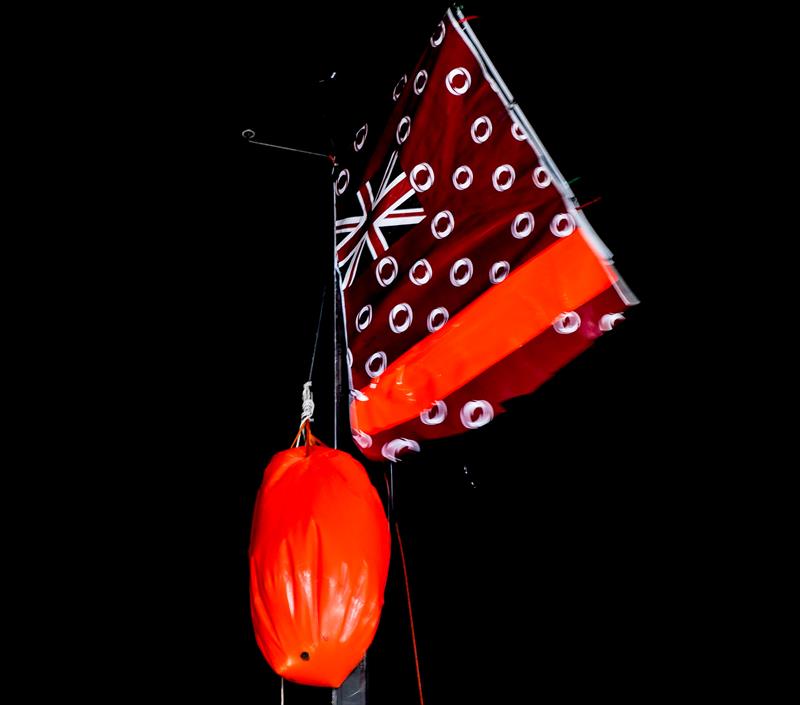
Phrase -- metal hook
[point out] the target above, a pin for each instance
(250, 134)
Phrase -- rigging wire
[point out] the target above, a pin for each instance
(308, 396)
(410, 614)
(316, 337)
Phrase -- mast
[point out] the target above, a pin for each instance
(354, 689)
(337, 353)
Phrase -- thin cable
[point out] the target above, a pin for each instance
(308, 397)
(316, 338)
(281, 691)
(388, 479)
(285, 149)
(410, 614)
(337, 368)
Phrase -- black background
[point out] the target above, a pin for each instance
(554, 550)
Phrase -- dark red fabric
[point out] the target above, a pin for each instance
(430, 124)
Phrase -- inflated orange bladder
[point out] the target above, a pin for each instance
(319, 558)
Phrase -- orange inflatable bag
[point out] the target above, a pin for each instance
(319, 558)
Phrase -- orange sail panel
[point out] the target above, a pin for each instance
(562, 278)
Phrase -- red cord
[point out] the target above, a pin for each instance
(410, 615)
(589, 203)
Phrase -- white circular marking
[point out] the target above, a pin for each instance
(362, 439)
(420, 81)
(438, 35)
(503, 177)
(435, 415)
(383, 279)
(607, 322)
(460, 279)
(499, 271)
(442, 218)
(420, 278)
(398, 89)
(541, 177)
(364, 318)
(392, 449)
(462, 178)
(566, 323)
(486, 413)
(421, 177)
(404, 325)
(523, 225)
(437, 318)
(518, 133)
(342, 181)
(481, 129)
(358, 394)
(361, 137)
(372, 370)
(462, 86)
(403, 130)
(562, 225)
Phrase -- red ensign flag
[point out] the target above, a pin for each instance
(468, 274)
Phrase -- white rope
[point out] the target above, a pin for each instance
(308, 404)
